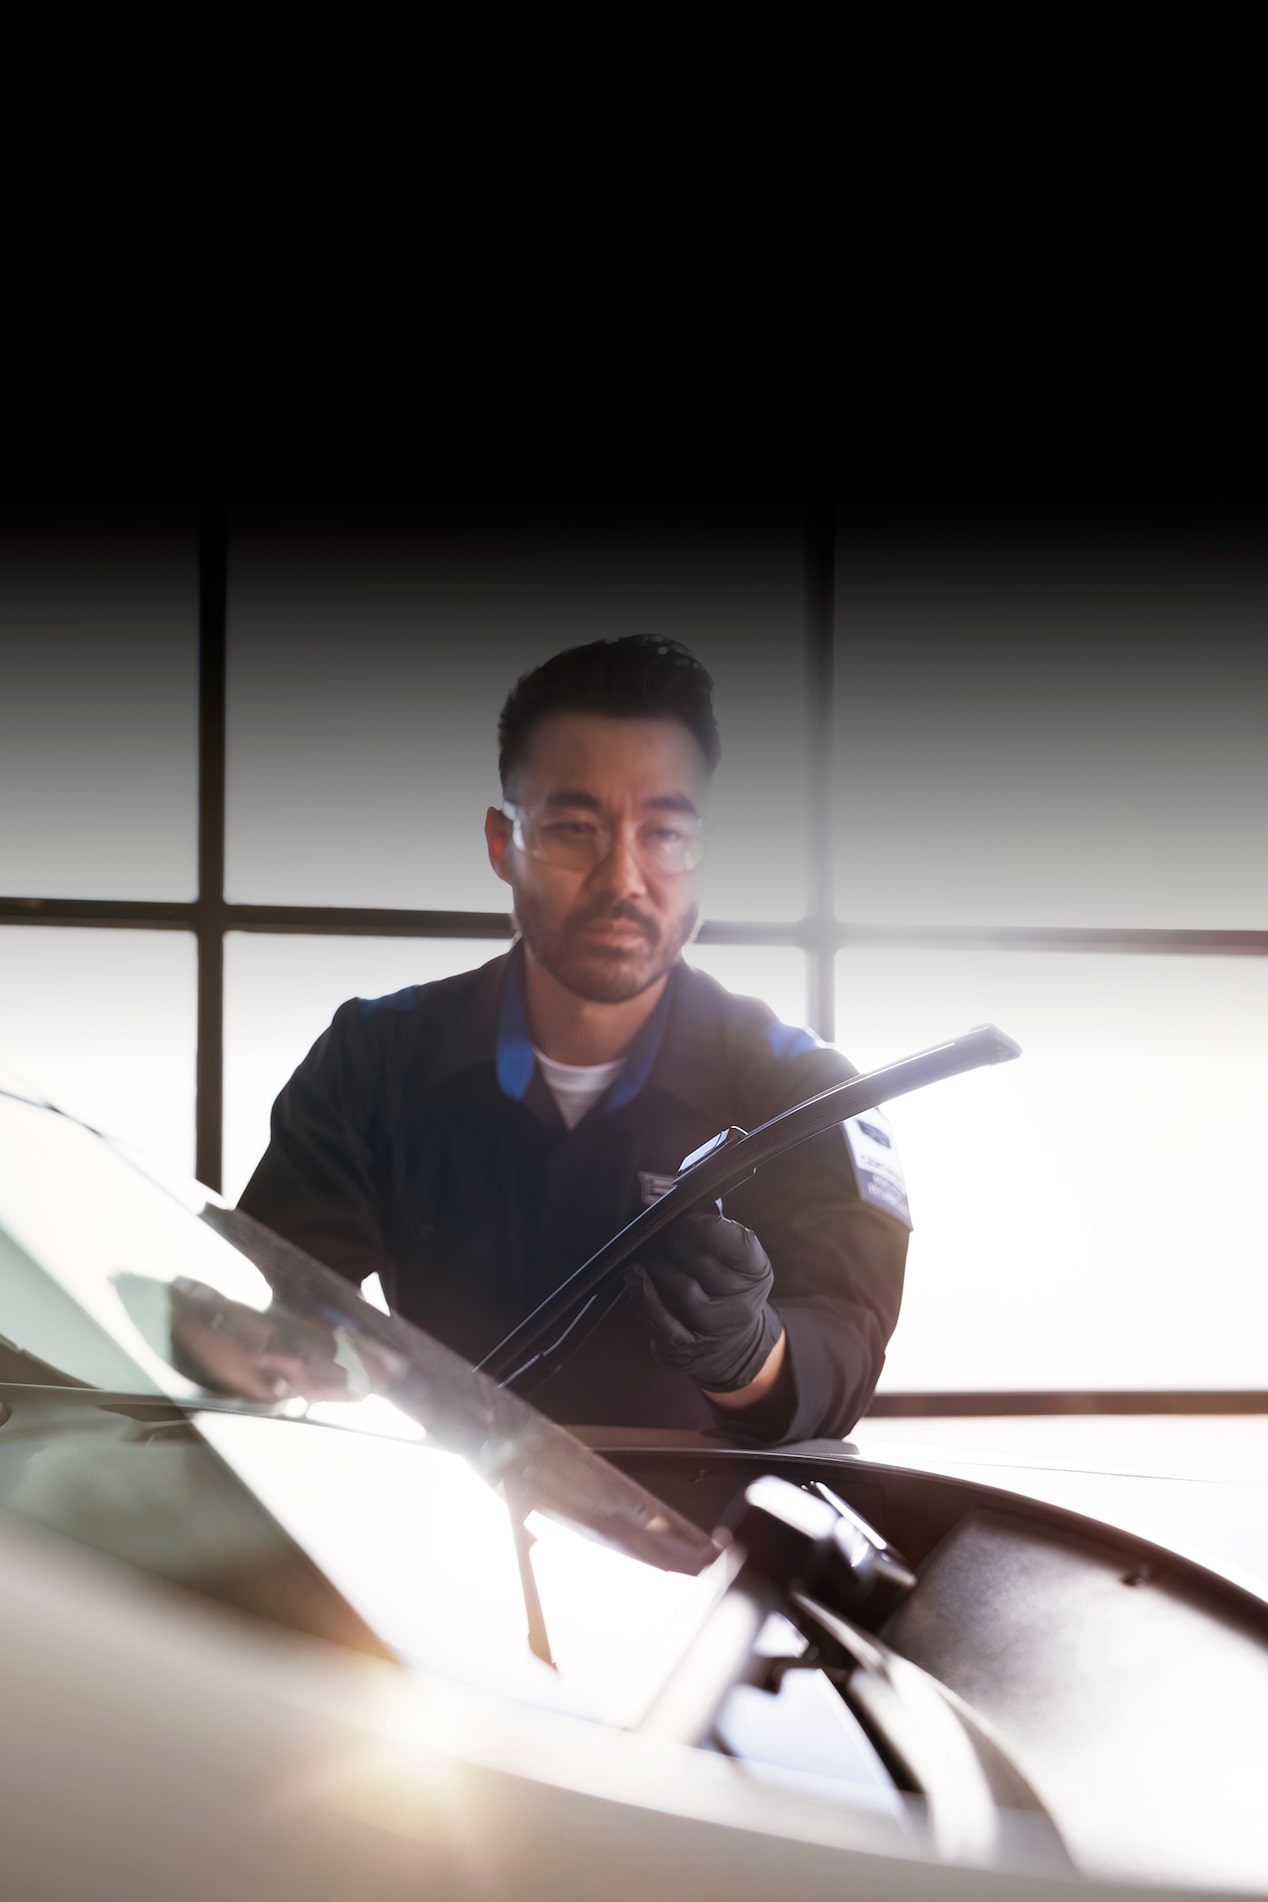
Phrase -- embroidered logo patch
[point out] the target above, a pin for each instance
(877, 1170)
(653, 1186)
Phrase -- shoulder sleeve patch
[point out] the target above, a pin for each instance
(877, 1170)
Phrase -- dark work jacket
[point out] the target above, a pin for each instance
(418, 1140)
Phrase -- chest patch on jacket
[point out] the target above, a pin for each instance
(653, 1186)
(877, 1170)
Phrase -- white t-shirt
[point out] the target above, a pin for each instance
(576, 1087)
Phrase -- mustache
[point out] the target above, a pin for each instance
(621, 913)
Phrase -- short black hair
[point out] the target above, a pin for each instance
(640, 677)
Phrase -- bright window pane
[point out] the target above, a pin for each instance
(367, 671)
(1096, 1213)
(102, 1023)
(1051, 740)
(98, 713)
(1187, 1445)
(775, 973)
(280, 994)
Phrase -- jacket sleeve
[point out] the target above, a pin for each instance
(317, 1183)
(838, 1263)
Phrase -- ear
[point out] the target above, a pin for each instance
(497, 836)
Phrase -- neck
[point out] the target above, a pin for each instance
(573, 1029)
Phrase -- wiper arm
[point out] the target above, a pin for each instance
(548, 1336)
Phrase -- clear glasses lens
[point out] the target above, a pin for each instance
(577, 841)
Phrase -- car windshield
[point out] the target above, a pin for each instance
(447, 1512)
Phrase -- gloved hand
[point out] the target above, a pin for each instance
(704, 1284)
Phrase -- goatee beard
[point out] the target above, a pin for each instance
(598, 973)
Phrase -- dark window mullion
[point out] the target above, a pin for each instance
(1165, 1401)
(820, 532)
(810, 935)
(210, 907)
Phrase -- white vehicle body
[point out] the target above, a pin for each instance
(339, 1696)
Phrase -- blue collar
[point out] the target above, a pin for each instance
(515, 1059)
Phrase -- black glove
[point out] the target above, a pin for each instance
(704, 1284)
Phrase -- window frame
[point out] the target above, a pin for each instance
(820, 934)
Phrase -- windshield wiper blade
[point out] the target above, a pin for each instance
(545, 1339)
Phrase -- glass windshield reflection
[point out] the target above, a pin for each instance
(278, 1355)
(159, 1289)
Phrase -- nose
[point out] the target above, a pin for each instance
(619, 874)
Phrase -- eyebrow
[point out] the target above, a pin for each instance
(662, 802)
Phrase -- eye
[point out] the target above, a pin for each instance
(666, 835)
(570, 828)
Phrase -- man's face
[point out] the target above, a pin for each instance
(608, 931)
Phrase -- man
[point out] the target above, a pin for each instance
(475, 1140)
